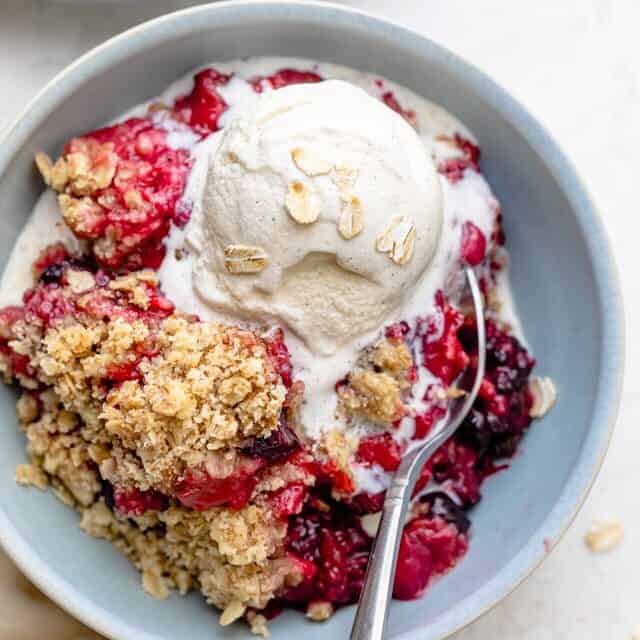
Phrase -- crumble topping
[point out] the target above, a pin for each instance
(187, 554)
(210, 387)
(375, 389)
(604, 536)
(543, 391)
(177, 389)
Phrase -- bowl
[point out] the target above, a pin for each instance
(563, 275)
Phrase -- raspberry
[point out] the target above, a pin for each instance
(380, 449)
(133, 502)
(429, 547)
(127, 219)
(455, 465)
(415, 564)
(338, 548)
(47, 303)
(201, 109)
(364, 503)
(473, 246)
(284, 78)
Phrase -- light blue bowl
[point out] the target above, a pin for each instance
(563, 276)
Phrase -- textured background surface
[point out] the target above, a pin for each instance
(576, 65)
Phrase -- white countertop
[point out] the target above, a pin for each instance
(576, 65)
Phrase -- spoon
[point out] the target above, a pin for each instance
(373, 607)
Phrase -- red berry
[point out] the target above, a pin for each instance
(50, 256)
(127, 220)
(391, 101)
(443, 352)
(202, 108)
(284, 78)
(380, 449)
(364, 503)
(288, 500)
(133, 502)
(340, 480)
(429, 547)
(280, 354)
(415, 564)
(200, 491)
(474, 245)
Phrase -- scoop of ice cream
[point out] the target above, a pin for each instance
(321, 210)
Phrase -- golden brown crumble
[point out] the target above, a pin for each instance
(375, 388)
(208, 388)
(31, 474)
(258, 624)
(319, 611)
(187, 554)
(232, 556)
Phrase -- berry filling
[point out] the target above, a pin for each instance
(453, 168)
(201, 109)
(133, 502)
(200, 491)
(443, 354)
(285, 77)
(119, 189)
(389, 98)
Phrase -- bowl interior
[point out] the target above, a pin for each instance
(560, 274)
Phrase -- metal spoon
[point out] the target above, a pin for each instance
(371, 616)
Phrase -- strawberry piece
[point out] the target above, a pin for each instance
(200, 491)
(201, 109)
(288, 500)
(339, 479)
(380, 449)
(443, 352)
(285, 77)
(473, 246)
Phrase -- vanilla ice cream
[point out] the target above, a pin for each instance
(321, 210)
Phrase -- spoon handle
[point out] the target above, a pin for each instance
(373, 608)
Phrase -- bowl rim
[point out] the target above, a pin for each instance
(612, 349)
